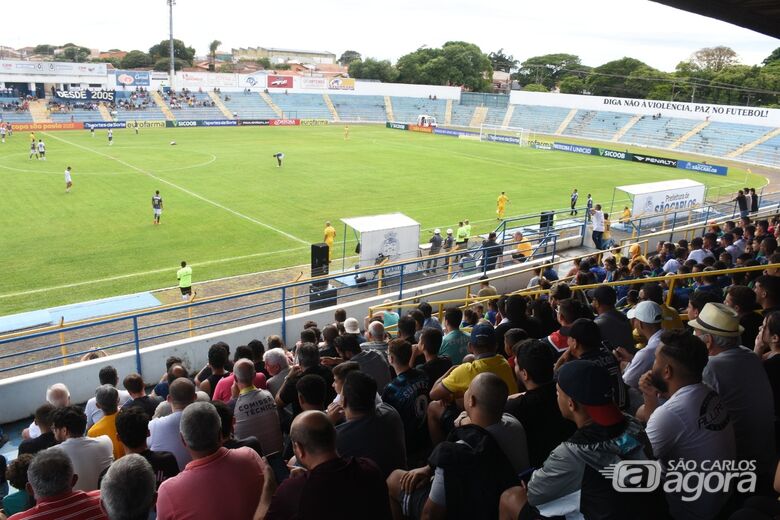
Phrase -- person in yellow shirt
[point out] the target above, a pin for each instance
(606, 237)
(625, 218)
(107, 399)
(346, 132)
(524, 249)
(330, 239)
(501, 205)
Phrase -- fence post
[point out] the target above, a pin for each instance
(137, 341)
(379, 284)
(284, 315)
(63, 348)
(401, 283)
(670, 294)
(674, 225)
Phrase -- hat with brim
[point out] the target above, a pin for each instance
(351, 326)
(590, 385)
(719, 320)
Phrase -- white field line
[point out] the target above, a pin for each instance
(144, 273)
(184, 190)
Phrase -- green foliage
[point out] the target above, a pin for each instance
(116, 62)
(180, 51)
(547, 69)
(74, 53)
(609, 79)
(213, 46)
(502, 62)
(715, 58)
(535, 87)
(44, 49)
(164, 64)
(136, 59)
(455, 63)
(774, 57)
(571, 85)
(348, 57)
(373, 69)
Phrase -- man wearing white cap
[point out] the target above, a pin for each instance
(736, 373)
(646, 318)
(436, 242)
(352, 326)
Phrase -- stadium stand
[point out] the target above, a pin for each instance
(461, 115)
(129, 105)
(653, 130)
(11, 111)
(767, 152)
(597, 124)
(406, 109)
(200, 107)
(538, 118)
(720, 138)
(249, 106)
(301, 106)
(360, 108)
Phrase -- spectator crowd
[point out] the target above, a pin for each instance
(512, 408)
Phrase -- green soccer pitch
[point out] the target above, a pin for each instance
(228, 209)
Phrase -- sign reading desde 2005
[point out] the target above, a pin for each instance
(86, 95)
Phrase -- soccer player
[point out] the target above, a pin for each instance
(68, 180)
(184, 275)
(574, 197)
(501, 205)
(110, 137)
(92, 131)
(157, 206)
(33, 150)
(330, 239)
(279, 156)
(346, 132)
(135, 126)
(3, 131)
(41, 149)
(32, 137)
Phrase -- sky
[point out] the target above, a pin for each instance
(596, 30)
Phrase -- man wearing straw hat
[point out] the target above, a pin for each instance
(736, 373)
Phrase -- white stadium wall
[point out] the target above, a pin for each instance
(699, 111)
(29, 390)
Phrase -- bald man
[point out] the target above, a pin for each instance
(164, 431)
(309, 493)
(412, 493)
(255, 410)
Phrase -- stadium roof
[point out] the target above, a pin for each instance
(654, 187)
(758, 15)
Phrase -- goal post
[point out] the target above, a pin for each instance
(504, 134)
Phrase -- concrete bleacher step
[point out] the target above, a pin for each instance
(566, 121)
(508, 116)
(477, 120)
(693, 131)
(331, 107)
(104, 112)
(389, 109)
(620, 133)
(746, 148)
(448, 113)
(270, 103)
(39, 112)
(160, 102)
(220, 105)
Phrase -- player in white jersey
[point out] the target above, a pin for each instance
(68, 180)
(3, 131)
(41, 149)
(110, 137)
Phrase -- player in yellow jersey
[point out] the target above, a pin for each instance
(501, 205)
(346, 132)
(330, 239)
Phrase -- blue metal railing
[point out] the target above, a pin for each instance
(50, 346)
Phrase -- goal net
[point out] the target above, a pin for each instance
(504, 134)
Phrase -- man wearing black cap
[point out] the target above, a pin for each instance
(584, 341)
(571, 476)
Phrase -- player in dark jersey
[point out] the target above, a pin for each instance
(33, 150)
(157, 206)
(135, 126)
(279, 156)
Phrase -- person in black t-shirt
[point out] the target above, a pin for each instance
(408, 394)
(218, 357)
(308, 363)
(517, 319)
(537, 407)
(43, 419)
(132, 428)
(134, 384)
(429, 345)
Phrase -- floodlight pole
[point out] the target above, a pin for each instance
(171, 3)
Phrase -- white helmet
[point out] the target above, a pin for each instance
(449, 231)
(436, 231)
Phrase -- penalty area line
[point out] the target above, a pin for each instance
(184, 190)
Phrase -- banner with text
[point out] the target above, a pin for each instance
(397, 126)
(668, 200)
(255, 122)
(314, 122)
(575, 148)
(315, 83)
(658, 161)
(341, 84)
(285, 122)
(615, 154)
(101, 125)
(422, 129)
(44, 127)
(703, 167)
(133, 78)
(86, 95)
(52, 68)
(145, 124)
(280, 82)
(182, 124)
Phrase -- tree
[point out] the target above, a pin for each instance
(180, 51)
(714, 58)
(535, 87)
(116, 62)
(74, 53)
(548, 69)
(164, 64)
(775, 56)
(373, 69)
(456, 63)
(227, 67)
(347, 57)
(648, 83)
(609, 79)
(136, 59)
(502, 62)
(44, 49)
(571, 85)
(213, 46)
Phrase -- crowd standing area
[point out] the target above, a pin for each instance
(514, 408)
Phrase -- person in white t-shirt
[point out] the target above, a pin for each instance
(107, 376)
(90, 455)
(692, 425)
(164, 431)
(68, 180)
(597, 217)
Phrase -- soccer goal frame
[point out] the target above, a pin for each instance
(504, 134)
